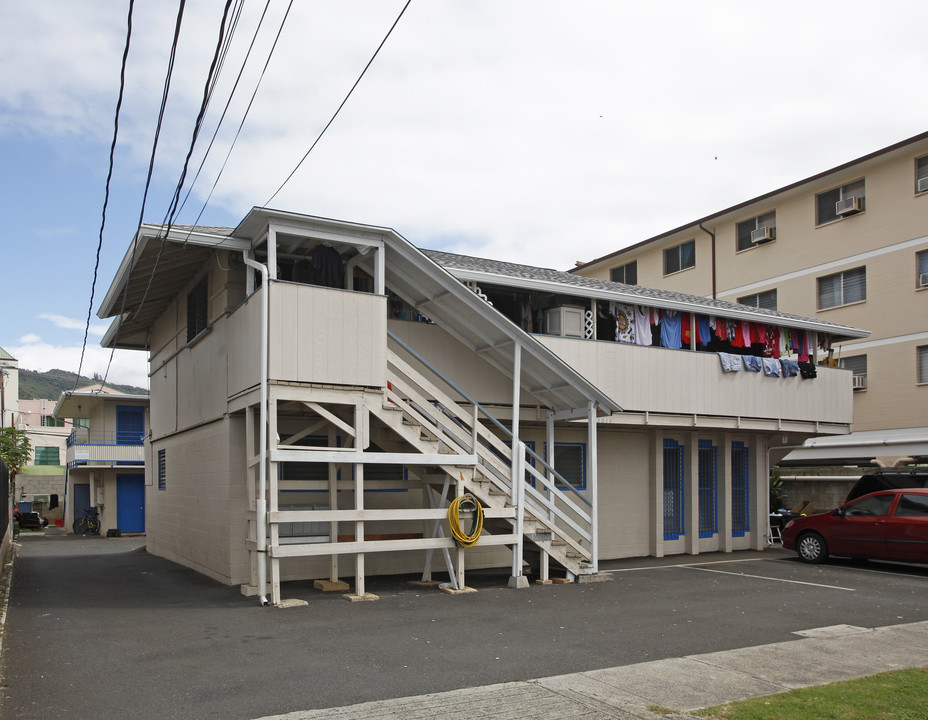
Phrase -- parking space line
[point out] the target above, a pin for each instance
(762, 577)
(901, 570)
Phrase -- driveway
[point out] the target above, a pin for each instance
(98, 628)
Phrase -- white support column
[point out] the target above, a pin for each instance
(691, 494)
(545, 570)
(333, 505)
(760, 493)
(518, 580)
(359, 589)
(272, 498)
(458, 582)
(251, 486)
(725, 484)
(593, 481)
(656, 472)
(380, 283)
(272, 252)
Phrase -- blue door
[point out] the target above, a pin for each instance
(130, 503)
(130, 424)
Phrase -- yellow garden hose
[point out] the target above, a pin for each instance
(454, 520)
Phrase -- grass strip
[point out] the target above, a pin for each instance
(894, 695)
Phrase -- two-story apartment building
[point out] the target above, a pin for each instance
(105, 458)
(320, 391)
(848, 245)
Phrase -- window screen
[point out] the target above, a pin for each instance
(162, 470)
(46, 456)
(708, 489)
(842, 288)
(740, 490)
(197, 308)
(674, 525)
(766, 299)
(570, 463)
(680, 257)
(627, 274)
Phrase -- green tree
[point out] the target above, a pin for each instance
(15, 449)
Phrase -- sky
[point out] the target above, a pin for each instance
(531, 131)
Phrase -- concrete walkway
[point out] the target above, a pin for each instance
(649, 690)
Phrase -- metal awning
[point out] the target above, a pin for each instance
(861, 447)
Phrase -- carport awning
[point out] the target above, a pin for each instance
(861, 447)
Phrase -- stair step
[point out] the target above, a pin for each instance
(575, 555)
(558, 543)
(494, 491)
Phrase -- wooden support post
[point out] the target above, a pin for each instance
(593, 483)
(517, 580)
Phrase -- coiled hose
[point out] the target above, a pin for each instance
(454, 520)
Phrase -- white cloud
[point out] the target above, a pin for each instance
(30, 339)
(127, 367)
(73, 324)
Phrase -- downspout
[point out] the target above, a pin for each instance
(261, 500)
(712, 235)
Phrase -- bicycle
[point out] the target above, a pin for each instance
(87, 524)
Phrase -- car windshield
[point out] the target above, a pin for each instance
(874, 506)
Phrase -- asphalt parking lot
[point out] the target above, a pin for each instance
(98, 627)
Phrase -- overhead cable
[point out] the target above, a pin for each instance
(109, 177)
(338, 110)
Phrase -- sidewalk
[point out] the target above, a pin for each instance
(824, 655)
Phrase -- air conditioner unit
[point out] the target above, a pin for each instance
(923, 280)
(763, 235)
(848, 206)
(859, 382)
(923, 184)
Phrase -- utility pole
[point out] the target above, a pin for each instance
(2, 397)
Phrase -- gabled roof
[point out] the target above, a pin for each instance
(4, 355)
(409, 273)
(495, 272)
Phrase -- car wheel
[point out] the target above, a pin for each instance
(812, 548)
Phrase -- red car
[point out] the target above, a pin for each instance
(886, 525)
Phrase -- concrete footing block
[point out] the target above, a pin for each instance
(366, 597)
(596, 577)
(329, 586)
(518, 582)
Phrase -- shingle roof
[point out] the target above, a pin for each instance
(625, 293)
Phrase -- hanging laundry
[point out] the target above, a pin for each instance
(790, 368)
(758, 333)
(730, 363)
(703, 330)
(772, 342)
(772, 367)
(807, 370)
(736, 334)
(643, 334)
(686, 332)
(803, 346)
(752, 363)
(624, 323)
(671, 324)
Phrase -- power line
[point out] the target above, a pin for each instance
(338, 110)
(109, 177)
(151, 166)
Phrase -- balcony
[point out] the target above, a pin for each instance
(86, 447)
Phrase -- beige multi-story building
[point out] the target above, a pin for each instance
(848, 245)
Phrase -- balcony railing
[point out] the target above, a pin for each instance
(105, 447)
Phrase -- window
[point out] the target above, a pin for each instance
(80, 422)
(842, 288)
(680, 257)
(766, 299)
(740, 490)
(708, 489)
(674, 525)
(923, 364)
(50, 421)
(840, 202)
(912, 506)
(627, 273)
(570, 464)
(921, 269)
(857, 364)
(46, 456)
(757, 231)
(197, 308)
(875, 506)
(921, 175)
(162, 470)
